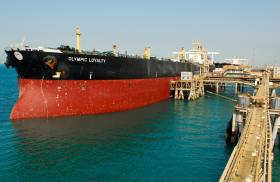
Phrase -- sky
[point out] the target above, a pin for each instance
(244, 28)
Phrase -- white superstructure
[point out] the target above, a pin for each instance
(28, 48)
(197, 54)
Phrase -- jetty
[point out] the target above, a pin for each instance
(254, 125)
(251, 159)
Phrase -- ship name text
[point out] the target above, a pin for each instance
(86, 60)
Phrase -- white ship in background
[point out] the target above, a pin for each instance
(234, 67)
(238, 61)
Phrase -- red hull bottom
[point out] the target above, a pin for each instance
(53, 98)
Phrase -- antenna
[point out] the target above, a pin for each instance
(253, 54)
(23, 41)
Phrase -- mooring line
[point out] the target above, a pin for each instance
(225, 97)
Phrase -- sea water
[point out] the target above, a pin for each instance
(168, 141)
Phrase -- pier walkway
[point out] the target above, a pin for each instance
(251, 158)
(250, 81)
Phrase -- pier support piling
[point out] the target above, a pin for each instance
(217, 88)
(234, 128)
(191, 89)
(240, 123)
(273, 93)
(275, 129)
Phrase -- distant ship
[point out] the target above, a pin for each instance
(237, 67)
(65, 81)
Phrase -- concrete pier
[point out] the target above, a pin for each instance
(251, 159)
(254, 125)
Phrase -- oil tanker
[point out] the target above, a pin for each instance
(65, 81)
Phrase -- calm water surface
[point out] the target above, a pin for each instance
(168, 141)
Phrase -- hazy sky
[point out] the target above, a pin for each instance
(246, 28)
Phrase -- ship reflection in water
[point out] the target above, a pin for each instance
(164, 141)
(96, 127)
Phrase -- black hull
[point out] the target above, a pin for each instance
(44, 65)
